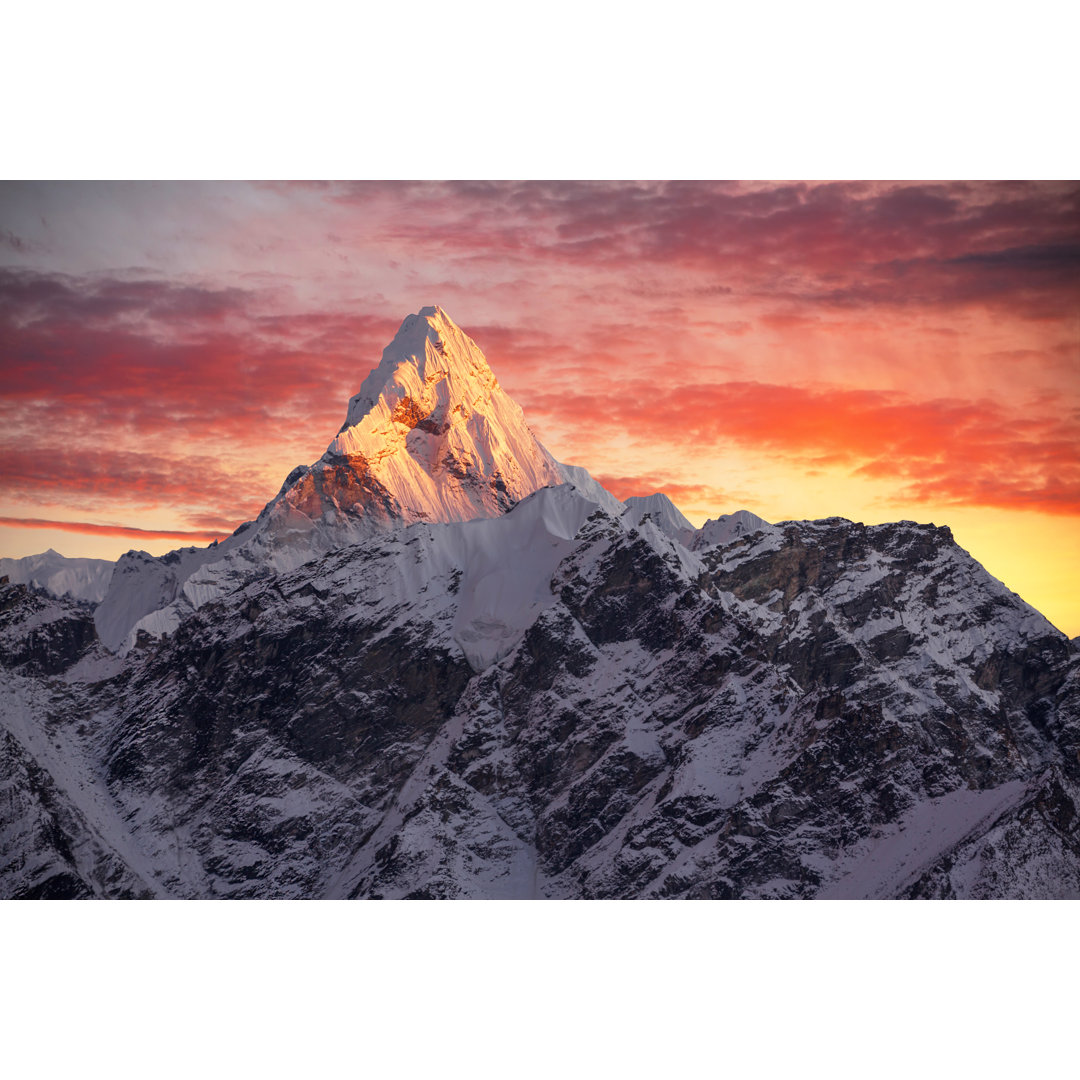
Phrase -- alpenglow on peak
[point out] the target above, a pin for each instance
(431, 433)
(433, 344)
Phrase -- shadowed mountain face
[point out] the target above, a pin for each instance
(559, 697)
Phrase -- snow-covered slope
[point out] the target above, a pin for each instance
(664, 513)
(79, 579)
(591, 488)
(716, 532)
(143, 583)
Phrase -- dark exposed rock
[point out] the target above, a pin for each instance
(40, 634)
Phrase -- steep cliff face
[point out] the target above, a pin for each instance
(42, 634)
(442, 665)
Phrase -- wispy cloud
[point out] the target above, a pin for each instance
(93, 529)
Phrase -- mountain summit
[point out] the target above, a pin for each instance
(431, 436)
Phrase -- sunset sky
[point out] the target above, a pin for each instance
(870, 350)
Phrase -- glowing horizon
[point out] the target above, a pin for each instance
(870, 351)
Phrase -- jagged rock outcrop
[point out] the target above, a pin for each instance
(42, 634)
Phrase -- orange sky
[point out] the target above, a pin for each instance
(875, 351)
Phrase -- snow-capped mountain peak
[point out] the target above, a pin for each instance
(430, 436)
(439, 663)
(727, 527)
(432, 343)
(667, 517)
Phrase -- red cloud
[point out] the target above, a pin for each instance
(110, 530)
(64, 298)
(88, 478)
(124, 394)
(624, 487)
(149, 393)
(1013, 246)
(159, 360)
(973, 453)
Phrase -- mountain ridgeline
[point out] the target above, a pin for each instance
(442, 664)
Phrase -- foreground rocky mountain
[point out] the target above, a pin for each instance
(552, 694)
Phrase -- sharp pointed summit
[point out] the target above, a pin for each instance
(430, 436)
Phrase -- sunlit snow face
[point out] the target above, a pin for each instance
(877, 351)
